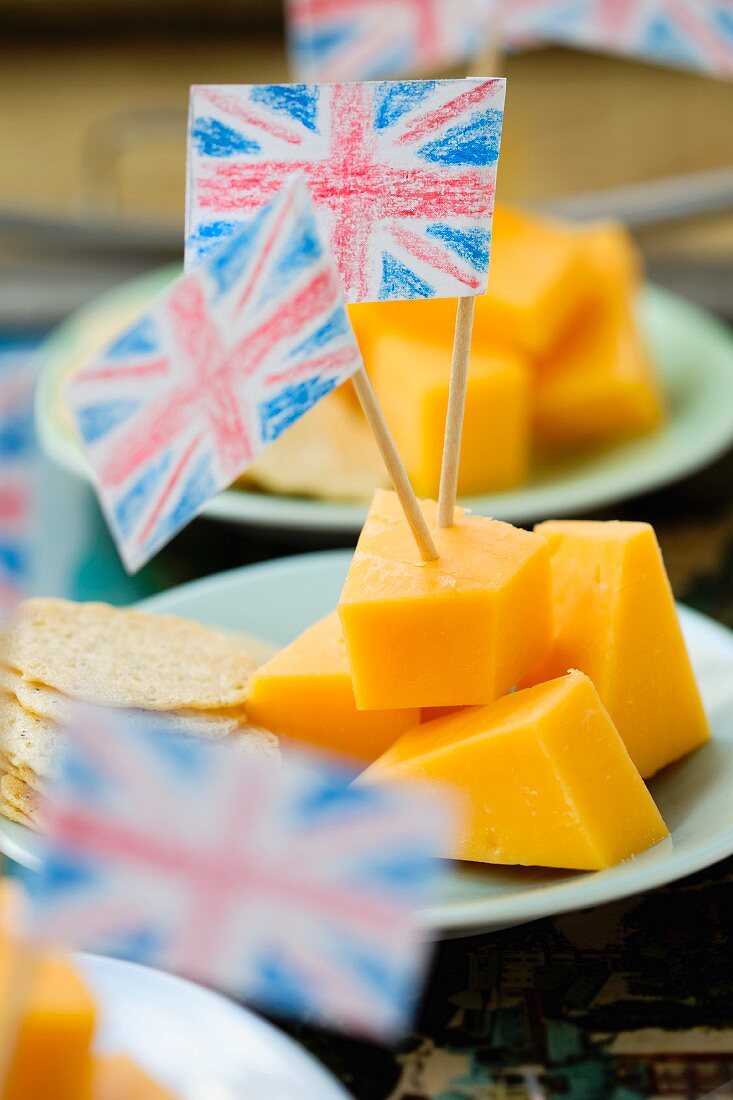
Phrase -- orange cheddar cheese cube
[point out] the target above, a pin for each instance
(455, 631)
(615, 620)
(599, 385)
(411, 379)
(52, 1053)
(119, 1078)
(544, 778)
(305, 692)
(428, 714)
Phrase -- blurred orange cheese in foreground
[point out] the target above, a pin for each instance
(118, 1078)
(455, 631)
(615, 620)
(543, 775)
(411, 378)
(305, 692)
(52, 1056)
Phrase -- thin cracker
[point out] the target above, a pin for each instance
(24, 774)
(27, 741)
(255, 742)
(47, 703)
(127, 658)
(329, 453)
(19, 803)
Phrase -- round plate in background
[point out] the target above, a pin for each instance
(278, 600)
(695, 358)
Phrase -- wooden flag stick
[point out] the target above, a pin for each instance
(485, 64)
(489, 61)
(394, 465)
(456, 408)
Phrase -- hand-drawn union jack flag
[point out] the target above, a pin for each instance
(278, 882)
(695, 34)
(403, 174)
(334, 40)
(17, 476)
(222, 362)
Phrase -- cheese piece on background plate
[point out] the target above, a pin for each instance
(616, 620)
(411, 378)
(52, 1056)
(599, 385)
(545, 779)
(613, 259)
(305, 692)
(539, 282)
(451, 632)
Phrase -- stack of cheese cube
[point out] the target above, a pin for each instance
(559, 362)
(542, 675)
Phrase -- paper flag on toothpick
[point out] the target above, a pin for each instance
(222, 362)
(370, 39)
(276, 881)
(695, 34)
(17, 477)
(403, 174)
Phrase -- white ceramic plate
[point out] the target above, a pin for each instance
(693, 351)
(189, 1038)
(278, 600)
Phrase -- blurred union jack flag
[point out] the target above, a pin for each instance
(368, 39)
(222, 362)
(403, 174)
(276, 881)
(17, 461)
(695, 34)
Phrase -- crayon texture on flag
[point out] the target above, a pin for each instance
(276, 881)
(222, 362)
(403, 174)
(333, 40)
(17, 477)
(695, 34)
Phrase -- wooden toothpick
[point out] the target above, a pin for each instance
(395, 468)
(456, 408)
(487, 62)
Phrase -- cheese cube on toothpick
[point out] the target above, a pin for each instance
(459, 630)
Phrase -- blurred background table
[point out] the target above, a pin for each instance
(628, 1001)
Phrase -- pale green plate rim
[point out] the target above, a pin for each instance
(695, 356)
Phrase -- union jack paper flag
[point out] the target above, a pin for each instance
(223, 361)
(695, 34)
(403, 174)
(17, 462)
(368, 39)
(277, 882)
